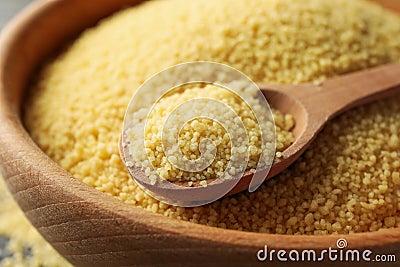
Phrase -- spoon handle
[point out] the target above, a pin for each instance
(313, 105)
(347, 91)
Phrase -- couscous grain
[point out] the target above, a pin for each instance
(216, 124)
(346, 182)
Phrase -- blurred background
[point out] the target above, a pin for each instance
(8, 8)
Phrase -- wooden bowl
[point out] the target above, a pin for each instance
(90, 228)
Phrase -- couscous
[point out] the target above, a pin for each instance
(173, 151)
(347, 181)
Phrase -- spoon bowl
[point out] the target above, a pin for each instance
(311, 105)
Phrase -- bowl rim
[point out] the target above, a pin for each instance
(20, 158)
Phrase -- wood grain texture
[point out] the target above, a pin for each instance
(86, 226)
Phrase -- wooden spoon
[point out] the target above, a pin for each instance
(311, 105)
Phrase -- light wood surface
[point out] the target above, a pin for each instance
(88, 227)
